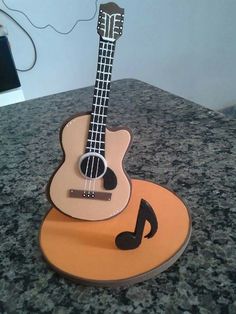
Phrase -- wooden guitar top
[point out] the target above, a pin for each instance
(86, 250)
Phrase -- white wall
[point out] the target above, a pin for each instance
(184, 46)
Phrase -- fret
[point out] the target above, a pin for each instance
(93, 148)
(107, 48)
(102, 89)
(92, 131)
(98, 114)
(105, 68)
(105, 43)
(99, 120)
(95, 104)
(105, 57)
(102, 111)
(105, 64)
(100, 140)
(101, 100)
(98, 105)
(100, 97)
(104, 77)
(104, 81)
(103, 72)
(97, 123)
(98, 136)
(100, 94)
(108, 74)
(105, 54)
(95, 141)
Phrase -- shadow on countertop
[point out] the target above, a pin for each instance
(229, 111)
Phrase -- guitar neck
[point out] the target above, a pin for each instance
(97, 127)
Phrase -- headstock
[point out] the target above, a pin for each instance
(110, 21)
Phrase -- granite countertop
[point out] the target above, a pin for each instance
(177, 143)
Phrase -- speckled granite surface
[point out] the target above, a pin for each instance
(179, 144)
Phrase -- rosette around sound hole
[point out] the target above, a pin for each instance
(93, 165)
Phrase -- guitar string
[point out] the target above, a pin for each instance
(88, 161)
(100, 100)
(98, 133)
(101, 108)
(86, 171)
(90, 148)
(104, 87)
(106, 46)
(108, 55)
(88, 181)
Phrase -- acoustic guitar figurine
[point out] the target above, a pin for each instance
(91, 183)
(76, 237)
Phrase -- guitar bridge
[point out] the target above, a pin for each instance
(93, 195)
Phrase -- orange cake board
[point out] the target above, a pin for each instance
(86, 250)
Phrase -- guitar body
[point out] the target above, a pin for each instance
(68, 176)
(87, 250)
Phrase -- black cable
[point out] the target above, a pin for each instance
(31, 39)
(51, 26)
(42, 27)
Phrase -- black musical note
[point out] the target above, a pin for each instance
(128, 240)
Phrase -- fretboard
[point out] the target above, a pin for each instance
(97, 127)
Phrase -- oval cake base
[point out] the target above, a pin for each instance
(85, 250)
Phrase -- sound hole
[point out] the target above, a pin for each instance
(92, 165)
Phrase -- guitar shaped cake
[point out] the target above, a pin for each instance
(153, 227)
(91, 183)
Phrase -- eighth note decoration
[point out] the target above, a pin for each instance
(99, 214)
